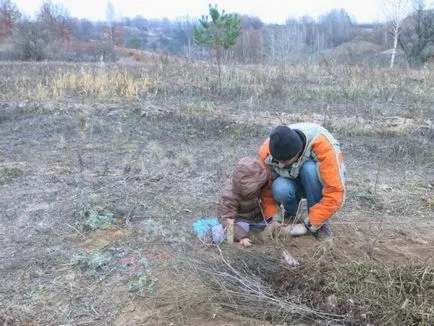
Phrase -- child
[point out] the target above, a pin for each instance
(239, 202)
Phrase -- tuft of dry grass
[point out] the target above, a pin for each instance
(195, 81)
(100, 85)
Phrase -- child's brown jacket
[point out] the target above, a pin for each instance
(240, 197)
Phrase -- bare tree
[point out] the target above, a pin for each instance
(183, 35)
(284, 43)
(114, 29)
(9, 15)
(57, 20)
(337, 27)
(249, 47)
(395, 12)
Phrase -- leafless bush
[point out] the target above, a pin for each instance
(328, 287)
(30, 42)
(241, 281)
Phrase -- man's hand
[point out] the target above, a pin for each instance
(246, 242)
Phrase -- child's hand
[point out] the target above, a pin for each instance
(246, 242)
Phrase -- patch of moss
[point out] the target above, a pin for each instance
(9, 174)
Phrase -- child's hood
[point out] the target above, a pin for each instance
(248, 177)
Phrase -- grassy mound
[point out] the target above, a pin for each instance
(323, 288)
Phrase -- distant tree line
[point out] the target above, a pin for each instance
(55, 35)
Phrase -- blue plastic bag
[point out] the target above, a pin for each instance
(205, 228)
(210, 230)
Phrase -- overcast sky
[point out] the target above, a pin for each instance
(267, 10)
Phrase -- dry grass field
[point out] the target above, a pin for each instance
(103, 170)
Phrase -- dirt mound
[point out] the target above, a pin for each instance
(352, 52)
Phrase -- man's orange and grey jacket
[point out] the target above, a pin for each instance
(321, 147)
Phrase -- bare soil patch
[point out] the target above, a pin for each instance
(98, 197)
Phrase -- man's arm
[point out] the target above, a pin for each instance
(269, 205)
(330, 175)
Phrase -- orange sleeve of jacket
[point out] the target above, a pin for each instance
(269, 206)
(330, 176)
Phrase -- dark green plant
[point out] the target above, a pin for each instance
(98, 219)
(96, 260)
(134, 43)
(218, 33)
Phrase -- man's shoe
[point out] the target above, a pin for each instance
(325, 232)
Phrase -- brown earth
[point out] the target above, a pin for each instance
(153, 170)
